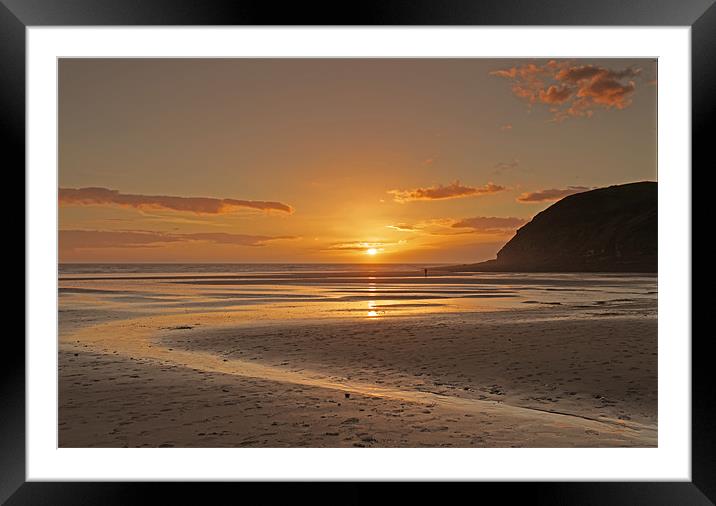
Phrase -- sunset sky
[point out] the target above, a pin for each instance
(325, 160)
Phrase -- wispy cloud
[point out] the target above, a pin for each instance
(451, 226)
(490, 223)
(403, 227)
(570, 90)
(72, 240)
(362, 245)
(501, 167)
(199, 205)
(551, 194)
(236, 239)
(441, 192)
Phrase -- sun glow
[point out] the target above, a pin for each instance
(371, 251)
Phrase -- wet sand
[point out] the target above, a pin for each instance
(529, 374)
(397, 383)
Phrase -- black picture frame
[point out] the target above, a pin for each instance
(700, 15)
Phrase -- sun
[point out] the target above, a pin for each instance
(371, 251)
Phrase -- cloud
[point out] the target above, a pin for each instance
(362, 245)
(490, 223)
(555, 95)
(403, 227)
(551, 194)
(570, 90)
(452, 191)
(89, 239)
(423, 227)
(501, 167)
(576, 74)
(72, 240)
(356, 246)
(236, 239)
(451, 226)
(198, 205)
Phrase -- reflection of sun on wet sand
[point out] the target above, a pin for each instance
(548, 374)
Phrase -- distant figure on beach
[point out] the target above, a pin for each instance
(426, 272)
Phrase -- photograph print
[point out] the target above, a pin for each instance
(359, 253)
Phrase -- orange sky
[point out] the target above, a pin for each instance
(322, 160)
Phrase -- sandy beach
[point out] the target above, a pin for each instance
(357, 359)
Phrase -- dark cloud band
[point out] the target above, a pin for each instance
(441, 192)
(72, 240)
(198, 205)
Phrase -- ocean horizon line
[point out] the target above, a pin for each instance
(262, 263)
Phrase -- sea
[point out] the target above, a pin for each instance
(280, 292)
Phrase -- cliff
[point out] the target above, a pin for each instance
(611, 229)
